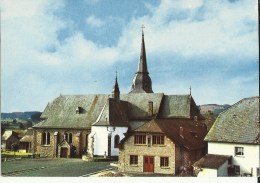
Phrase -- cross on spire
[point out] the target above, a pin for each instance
(142, 27)
(116, 72)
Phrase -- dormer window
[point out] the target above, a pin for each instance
(80, 110)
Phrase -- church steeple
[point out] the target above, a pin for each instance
(116, 91)
(142, 82)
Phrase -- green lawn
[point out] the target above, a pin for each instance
(11, 153)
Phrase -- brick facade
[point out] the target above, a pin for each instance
(79, 141)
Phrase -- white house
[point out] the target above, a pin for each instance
(235, 133)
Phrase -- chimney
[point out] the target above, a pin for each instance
(150, 108)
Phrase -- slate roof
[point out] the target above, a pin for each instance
(193, 133)
(212, 161)
(102, 110)
(178, 106)
(138, 104)
(61, 113)
(238, 124)
(114, 113)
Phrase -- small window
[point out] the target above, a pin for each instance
(116, 141)
(239, 151)
(158, 139)
(139, 139)
(237, 169)
(133, 159)
(164, 161)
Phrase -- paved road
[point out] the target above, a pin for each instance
(51, 167)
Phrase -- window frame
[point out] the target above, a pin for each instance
(44, 135)
(70, 137)
(133, 160)
(237, 169)
(116, 141)
(140, 139)
(239, 151)
(46, 138)
(158, 140)
(164, 161)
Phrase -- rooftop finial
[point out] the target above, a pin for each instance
(116, 72)
(142, 29)
(190, 90)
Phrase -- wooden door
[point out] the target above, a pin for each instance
(63, 152)
(148, 164)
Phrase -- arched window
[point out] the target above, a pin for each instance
(43, 138)
(116, 141)
(66, 136)
(70, 138)
(48, 138)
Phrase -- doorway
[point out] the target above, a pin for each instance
(63, 152)
(148, 164)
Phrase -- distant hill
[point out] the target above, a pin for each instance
(30, 115)
(211, 112)
(215, 108)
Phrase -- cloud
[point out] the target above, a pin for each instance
(205, 44)
(94, 21)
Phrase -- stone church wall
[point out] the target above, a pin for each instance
(79, 140)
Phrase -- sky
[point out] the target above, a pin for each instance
(49, 48)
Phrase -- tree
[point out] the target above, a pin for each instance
(14, 147)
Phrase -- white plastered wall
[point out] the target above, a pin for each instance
(251, 158)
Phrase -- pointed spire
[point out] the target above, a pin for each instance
(116, 91)
(142, 67)
(142, 82)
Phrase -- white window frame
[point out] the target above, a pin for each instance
(239, 151)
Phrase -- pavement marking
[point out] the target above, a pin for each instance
(93, 173)
(17, 172)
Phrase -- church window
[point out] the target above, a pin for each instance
(70, 138)
(139, 139)
(48, 138)
(66, 136)
(116, 141)
(158, 139)
(43, 138)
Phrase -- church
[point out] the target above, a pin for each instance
(101, 124)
